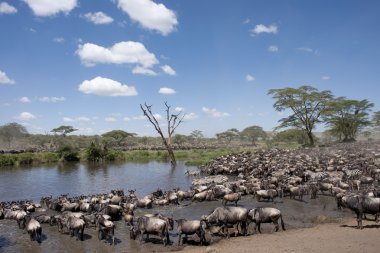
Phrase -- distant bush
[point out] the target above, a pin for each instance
(25, 158)
(68, 153)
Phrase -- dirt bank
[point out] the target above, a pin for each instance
(327, 238)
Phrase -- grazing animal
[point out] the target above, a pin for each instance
(266, 215)
(297, 191)
(232, 197)
(106, 228)
(74, 225)
(150, 225)
(128, 218)
(33, 227)
(225, 216)
(270, 194)
(189, 228)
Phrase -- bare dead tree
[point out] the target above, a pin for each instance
(173, 121)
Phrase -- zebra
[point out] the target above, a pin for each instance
(315, 176)
(351, 174)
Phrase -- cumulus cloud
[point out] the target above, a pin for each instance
(52, 99)
(190, 116)
(6, 8)
(214, 113)
(123, 52)
(273, 48)
(106, 87)
(166, 91)
(247, 21)
(26, 116)
(325, 78)
(25, 100)
(150, 15)
(249, 78)
(179, 109)
(168, 70)
(46, 8)
(127, 119)
(264, 29)
(78, 119)
(4, 79)
(143, 71)
(98, 18)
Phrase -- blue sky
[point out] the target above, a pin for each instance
(90, 63)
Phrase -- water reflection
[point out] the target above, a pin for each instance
(76, 178)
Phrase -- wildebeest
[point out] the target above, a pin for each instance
(232, 197)
(225, 216)
(202, 196)
(33, 227)
(360, 204)
(270, 194)
(150, 225)
(74, 225)
(106, 228)
(189, 228)
(266, 215)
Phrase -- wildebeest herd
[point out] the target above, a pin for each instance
(348, 172)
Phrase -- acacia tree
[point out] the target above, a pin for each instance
(64, 130)
(228, 135)
(346, 117)
(173, 121)
(196, 135)
(11, 131)
(118, 135)
(307, 104)
(252, 133)
(376, 119)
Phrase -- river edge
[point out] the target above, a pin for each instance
(339, 236)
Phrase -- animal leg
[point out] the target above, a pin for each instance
(275, 222)
(179, 239)
(259, 227)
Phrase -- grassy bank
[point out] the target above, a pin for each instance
(191, 157)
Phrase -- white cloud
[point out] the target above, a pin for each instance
(166, 91)
(26, 116)
(127, 119)
(32, 30)
(157, 116)
(264, 29)
(214, 113)
(110, 119)
(52, 99)
(59, 40)
(150, 15)
(98, 18)
(190, 116)
(78, 119)
(4, 79)
(25, 100)
(106, 87)
(143, 71)
(179, 109)
(273, 48)
(141, 117)
(46, 8)
(123, 52)
(305, 49)
(6, 8)
(168, 70)
(325, 78)
(247, 21)
(249, 78)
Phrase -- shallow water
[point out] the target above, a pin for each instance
(296, 214)
(76, 179)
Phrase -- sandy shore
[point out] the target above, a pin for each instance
(327, 238)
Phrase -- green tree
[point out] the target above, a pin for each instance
(68, 153)
(63, 130)
(12, 131)
(346, 117)
(307, 104)
(196, 135)
(292, 135)
(118, 135)
(180, 139)
(376, 118)
(228, 135)
(253, 133)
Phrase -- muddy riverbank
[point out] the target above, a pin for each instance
(297, 214)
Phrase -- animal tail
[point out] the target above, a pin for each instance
(282, 223)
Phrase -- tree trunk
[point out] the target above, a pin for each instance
(311, 138)
(169, 148)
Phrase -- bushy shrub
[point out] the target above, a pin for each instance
(68, 153)
(7, 160)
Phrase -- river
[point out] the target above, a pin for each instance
(17, 183)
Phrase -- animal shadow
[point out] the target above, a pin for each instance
(365, 226)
